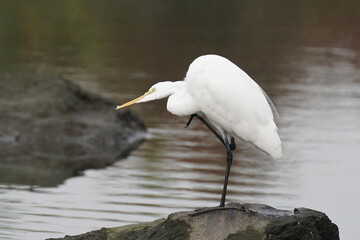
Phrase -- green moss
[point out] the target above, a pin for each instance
(248, 234)
(156, 230)
(173, 229)
(133, 231)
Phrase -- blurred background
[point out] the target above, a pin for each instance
(304, 54)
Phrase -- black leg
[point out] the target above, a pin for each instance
(228, 146)
(207, 125)
(229, 158)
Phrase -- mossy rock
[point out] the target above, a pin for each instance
(235, 222)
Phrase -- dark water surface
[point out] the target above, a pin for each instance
(305, 54)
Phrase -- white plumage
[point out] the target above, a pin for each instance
(232, 101)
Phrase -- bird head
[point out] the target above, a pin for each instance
(157, 91)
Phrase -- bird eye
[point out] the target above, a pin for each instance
(150, 91)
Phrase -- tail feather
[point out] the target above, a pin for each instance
(269, 141)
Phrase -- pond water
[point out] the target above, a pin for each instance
(305, 55)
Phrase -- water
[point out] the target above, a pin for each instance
(305, 55)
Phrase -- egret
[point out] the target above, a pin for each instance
(226, 100)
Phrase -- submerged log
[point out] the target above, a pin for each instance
(51, 129)
(236, 221)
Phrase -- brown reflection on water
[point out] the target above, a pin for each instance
(305, 54)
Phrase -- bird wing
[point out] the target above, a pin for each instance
(232, 100)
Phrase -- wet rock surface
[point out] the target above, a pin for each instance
(238, 221)
(51, 129)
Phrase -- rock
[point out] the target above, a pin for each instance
(235, 221)
(51, 129)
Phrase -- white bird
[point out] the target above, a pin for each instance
(231, 101)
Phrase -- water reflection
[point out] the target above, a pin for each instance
(305, 55)
(143, 187)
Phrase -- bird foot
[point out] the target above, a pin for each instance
(190, 120)
(211, 209)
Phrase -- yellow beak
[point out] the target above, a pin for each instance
(130, 103)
